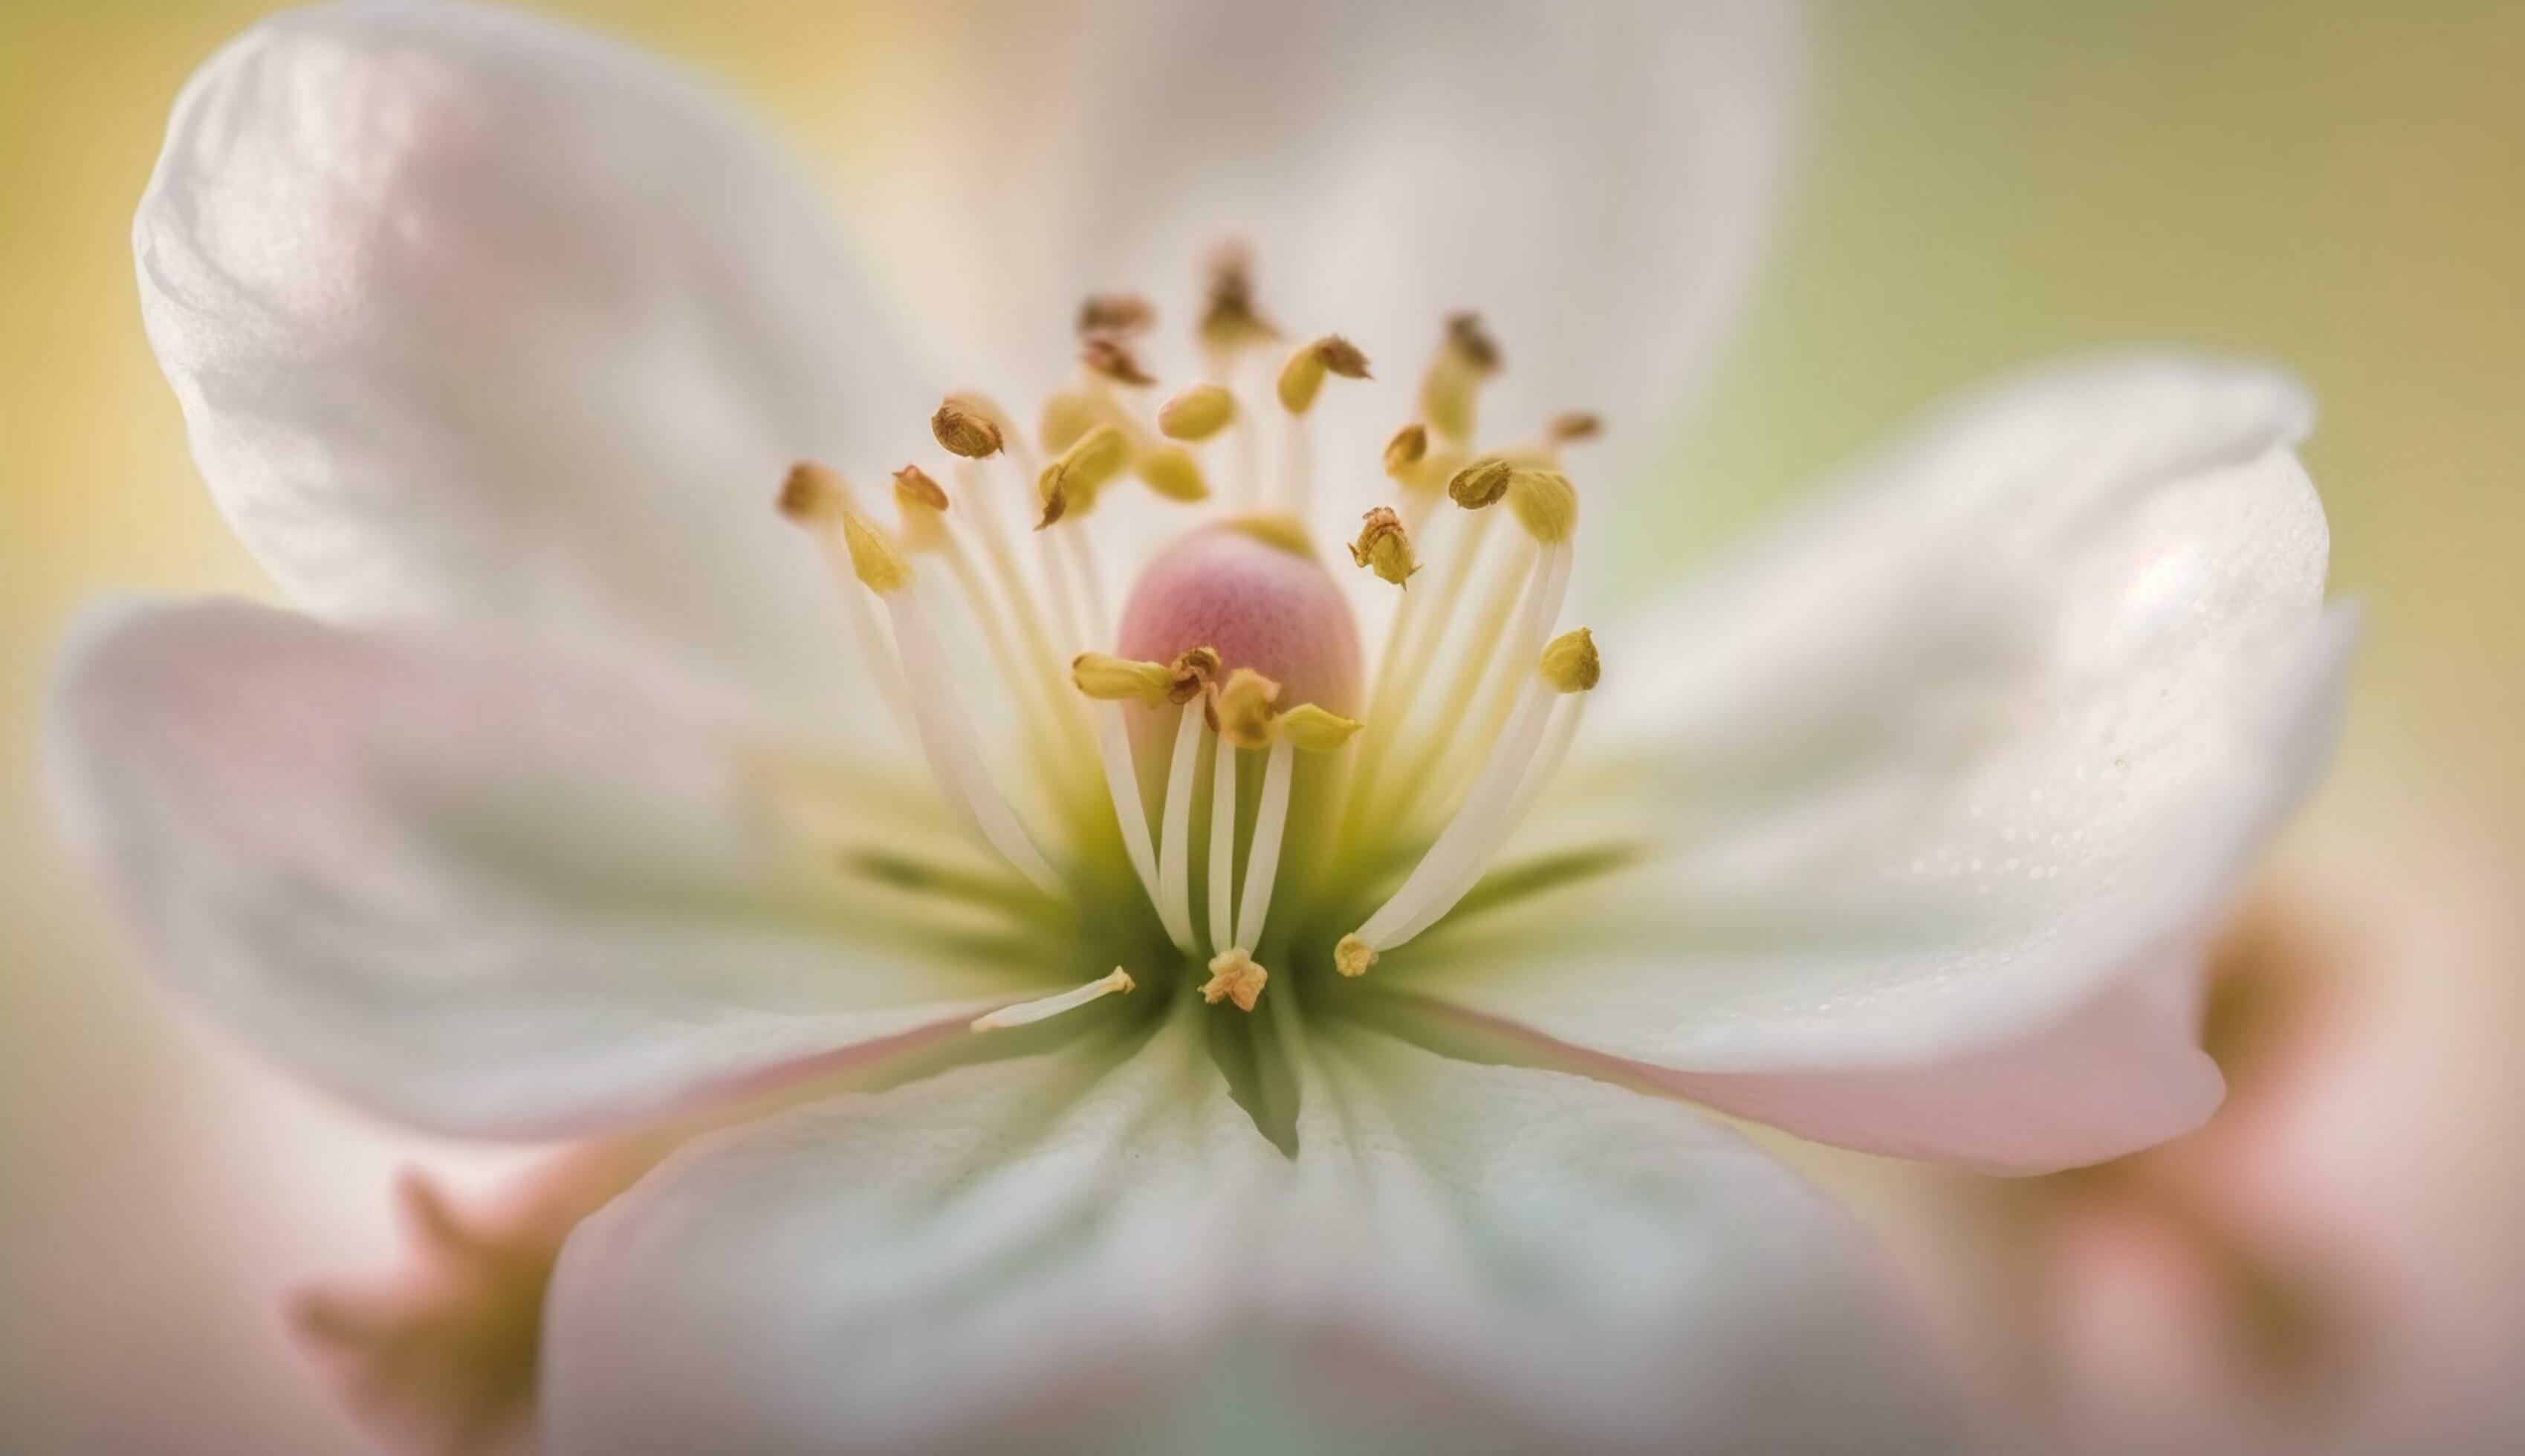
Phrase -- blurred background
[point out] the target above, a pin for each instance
(2341, 186)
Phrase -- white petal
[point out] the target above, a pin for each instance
(477, 317)
(1000, 1255)
(1064, 1254)
(479, 889)
(1988, 732)
(1597, 186)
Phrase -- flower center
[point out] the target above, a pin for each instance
(1219, 738)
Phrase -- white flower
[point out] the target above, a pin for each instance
(571, 806)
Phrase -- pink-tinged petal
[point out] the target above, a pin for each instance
(475, 318)
(1917, 787)
(1551, 1263)
(1009, 1254)
(1072, 1252)
(480, 887)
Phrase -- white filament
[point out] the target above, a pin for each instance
(1175, 851)
(1027, 1013)
(947, 740)
(1122, 784)
(1222, 845)
(1263, 860)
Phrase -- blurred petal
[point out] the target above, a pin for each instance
(1984, 735)
(1461, 1258)
(1557, 1264)
(477, 317)
(1598, 186)
(477, 889)
(987, 1258)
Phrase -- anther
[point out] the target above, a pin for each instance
(1113, 360)
(1110, 679)
(1233, 976)
(1384, 546)
(921, 504)
(1229, 319)
(1480, 484)
(1066, 415)
(1351, 956)
(965, 428)
(1071, 482)
(875, 560)
(1192, 672)
(1449, 391)
(1311, 729)
(1302, 376)
(1197, 414)
(1571, 426)
(1027, 1013)
(1242, 709)
(1544, 502)
(1172, 472)
(1404, 447)
(1115, 314)
(811, 492)
(1571, 664)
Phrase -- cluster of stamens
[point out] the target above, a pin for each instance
(1473, 703)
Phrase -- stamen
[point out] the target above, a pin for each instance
(1233, 976)
(1175, 846)
(1302, 376)
(1450, 391)
(1229, 321)
(944, 727)
(1028, 1013)
(1123, 314)
(1455, 862)
(1307, 728)
(1384, 546)
(1406, 448)
(1071, 482)
(1197, 414)
(1066, 415)
(965, 428)
(1222, 845)
(814, 497)
(1172, 472)
(1111, 359)
(1573, 426)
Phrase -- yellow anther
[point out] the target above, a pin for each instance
(1192, 672)
(1172, 472)
(1113, 359)
(1351, 956)
(1071, 482)
(1481, 483)
(875, 560)
(811, 492)
(913, 486)
(1384, 546)
(1302, 376)
(1571, 664)
(965, 426)
(1546, 503)
(1406, 448)
(1066, 415)
(1229, 319)
(1110, 679)
(1450, 391)
(1571, 426)
(1197, 414)
(1233, 976)
(1311, 729)
(1241, 711)
(1115, 314)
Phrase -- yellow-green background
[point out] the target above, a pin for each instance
(2340, 186)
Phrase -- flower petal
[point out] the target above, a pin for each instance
(1010, 1250)
(1929, 779)
(480, 890)
(1590, 1269)
(1598, 188)
(475, 318)
(1068, 1254)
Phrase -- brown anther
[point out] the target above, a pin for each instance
(1573, 426)
(1228, 319)
(913, 486)
(1304, 374)
(1384, 546)
(1341, 357)
(1406, 448)
(1470, 340)
(1115, 314)
(1113, 359)
(1481, 483)
(966, 429)
(809, 491)
(1194, 670)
